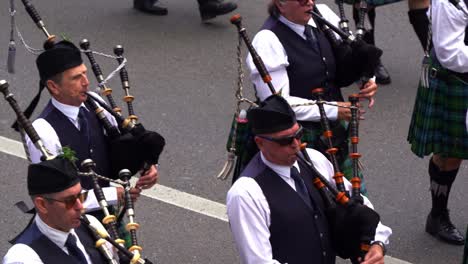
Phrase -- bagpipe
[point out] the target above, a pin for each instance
(355, 59)
(132, 146)
(131, 255)
(350, 241)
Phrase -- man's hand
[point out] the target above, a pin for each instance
(374, 256)
(368, 91)
(134, 193)
(120, 194)
(344, 113)
(148, 178)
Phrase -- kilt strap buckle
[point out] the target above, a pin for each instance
(433, 72)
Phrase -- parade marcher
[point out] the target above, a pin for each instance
(299, 58)
(56, 234)
(381, 73)
(438, 124)
(418, 18)
(66, 121)
(275, 213)
(208, 8)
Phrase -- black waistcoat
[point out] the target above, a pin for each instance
(308, 69)
(299, 234)
(96, 149)
(50, 253)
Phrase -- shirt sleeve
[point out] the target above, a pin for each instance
(270, 50)
(448, 33)
(323, 165)
(21, 254)
(48, 136)
(91, 204)
(329, 15)
(249, 220)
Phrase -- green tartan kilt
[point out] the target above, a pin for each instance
(438, 123)
(374, 3)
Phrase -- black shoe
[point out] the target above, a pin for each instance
(381, 75)
(148, 6)
(442, 228)
(212, 8)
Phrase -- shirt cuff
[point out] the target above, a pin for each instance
(331, 111)
(92, 204)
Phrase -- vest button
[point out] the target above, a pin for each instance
(90, 150)
(324, 253)
(324, 59)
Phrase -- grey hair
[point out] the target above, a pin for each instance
(273, 9)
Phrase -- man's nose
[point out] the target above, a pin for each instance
(78, 204)
(296, 142)
(85, 81)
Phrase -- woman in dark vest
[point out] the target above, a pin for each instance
(300, 58)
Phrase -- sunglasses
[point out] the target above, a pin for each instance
(70, 201)
(301, 2)
(285, 141)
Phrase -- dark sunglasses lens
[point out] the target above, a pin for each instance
(285, 141)
(289, 140)
(70, 202)
(83, 196)
(299, 134)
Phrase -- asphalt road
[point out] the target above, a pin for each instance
(183, 75)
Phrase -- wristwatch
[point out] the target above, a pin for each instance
(382, 245)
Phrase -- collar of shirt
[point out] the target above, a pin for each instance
(299, 29)
(69, 111)
(283, 171)
(58, 237)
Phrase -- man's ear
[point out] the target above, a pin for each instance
(39, 203)
(259, 142)
(52, 87)
(279, 4)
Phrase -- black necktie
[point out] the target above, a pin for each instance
(311, 37)
(83, 121)
(300, 186)
(73, 249)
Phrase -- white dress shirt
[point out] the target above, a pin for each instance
(274, 56)
(22, 253)
(249, 213)
(52, 142)
(448, 33)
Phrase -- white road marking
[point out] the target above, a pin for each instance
(165, 194)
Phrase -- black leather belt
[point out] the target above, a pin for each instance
(447, 75)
